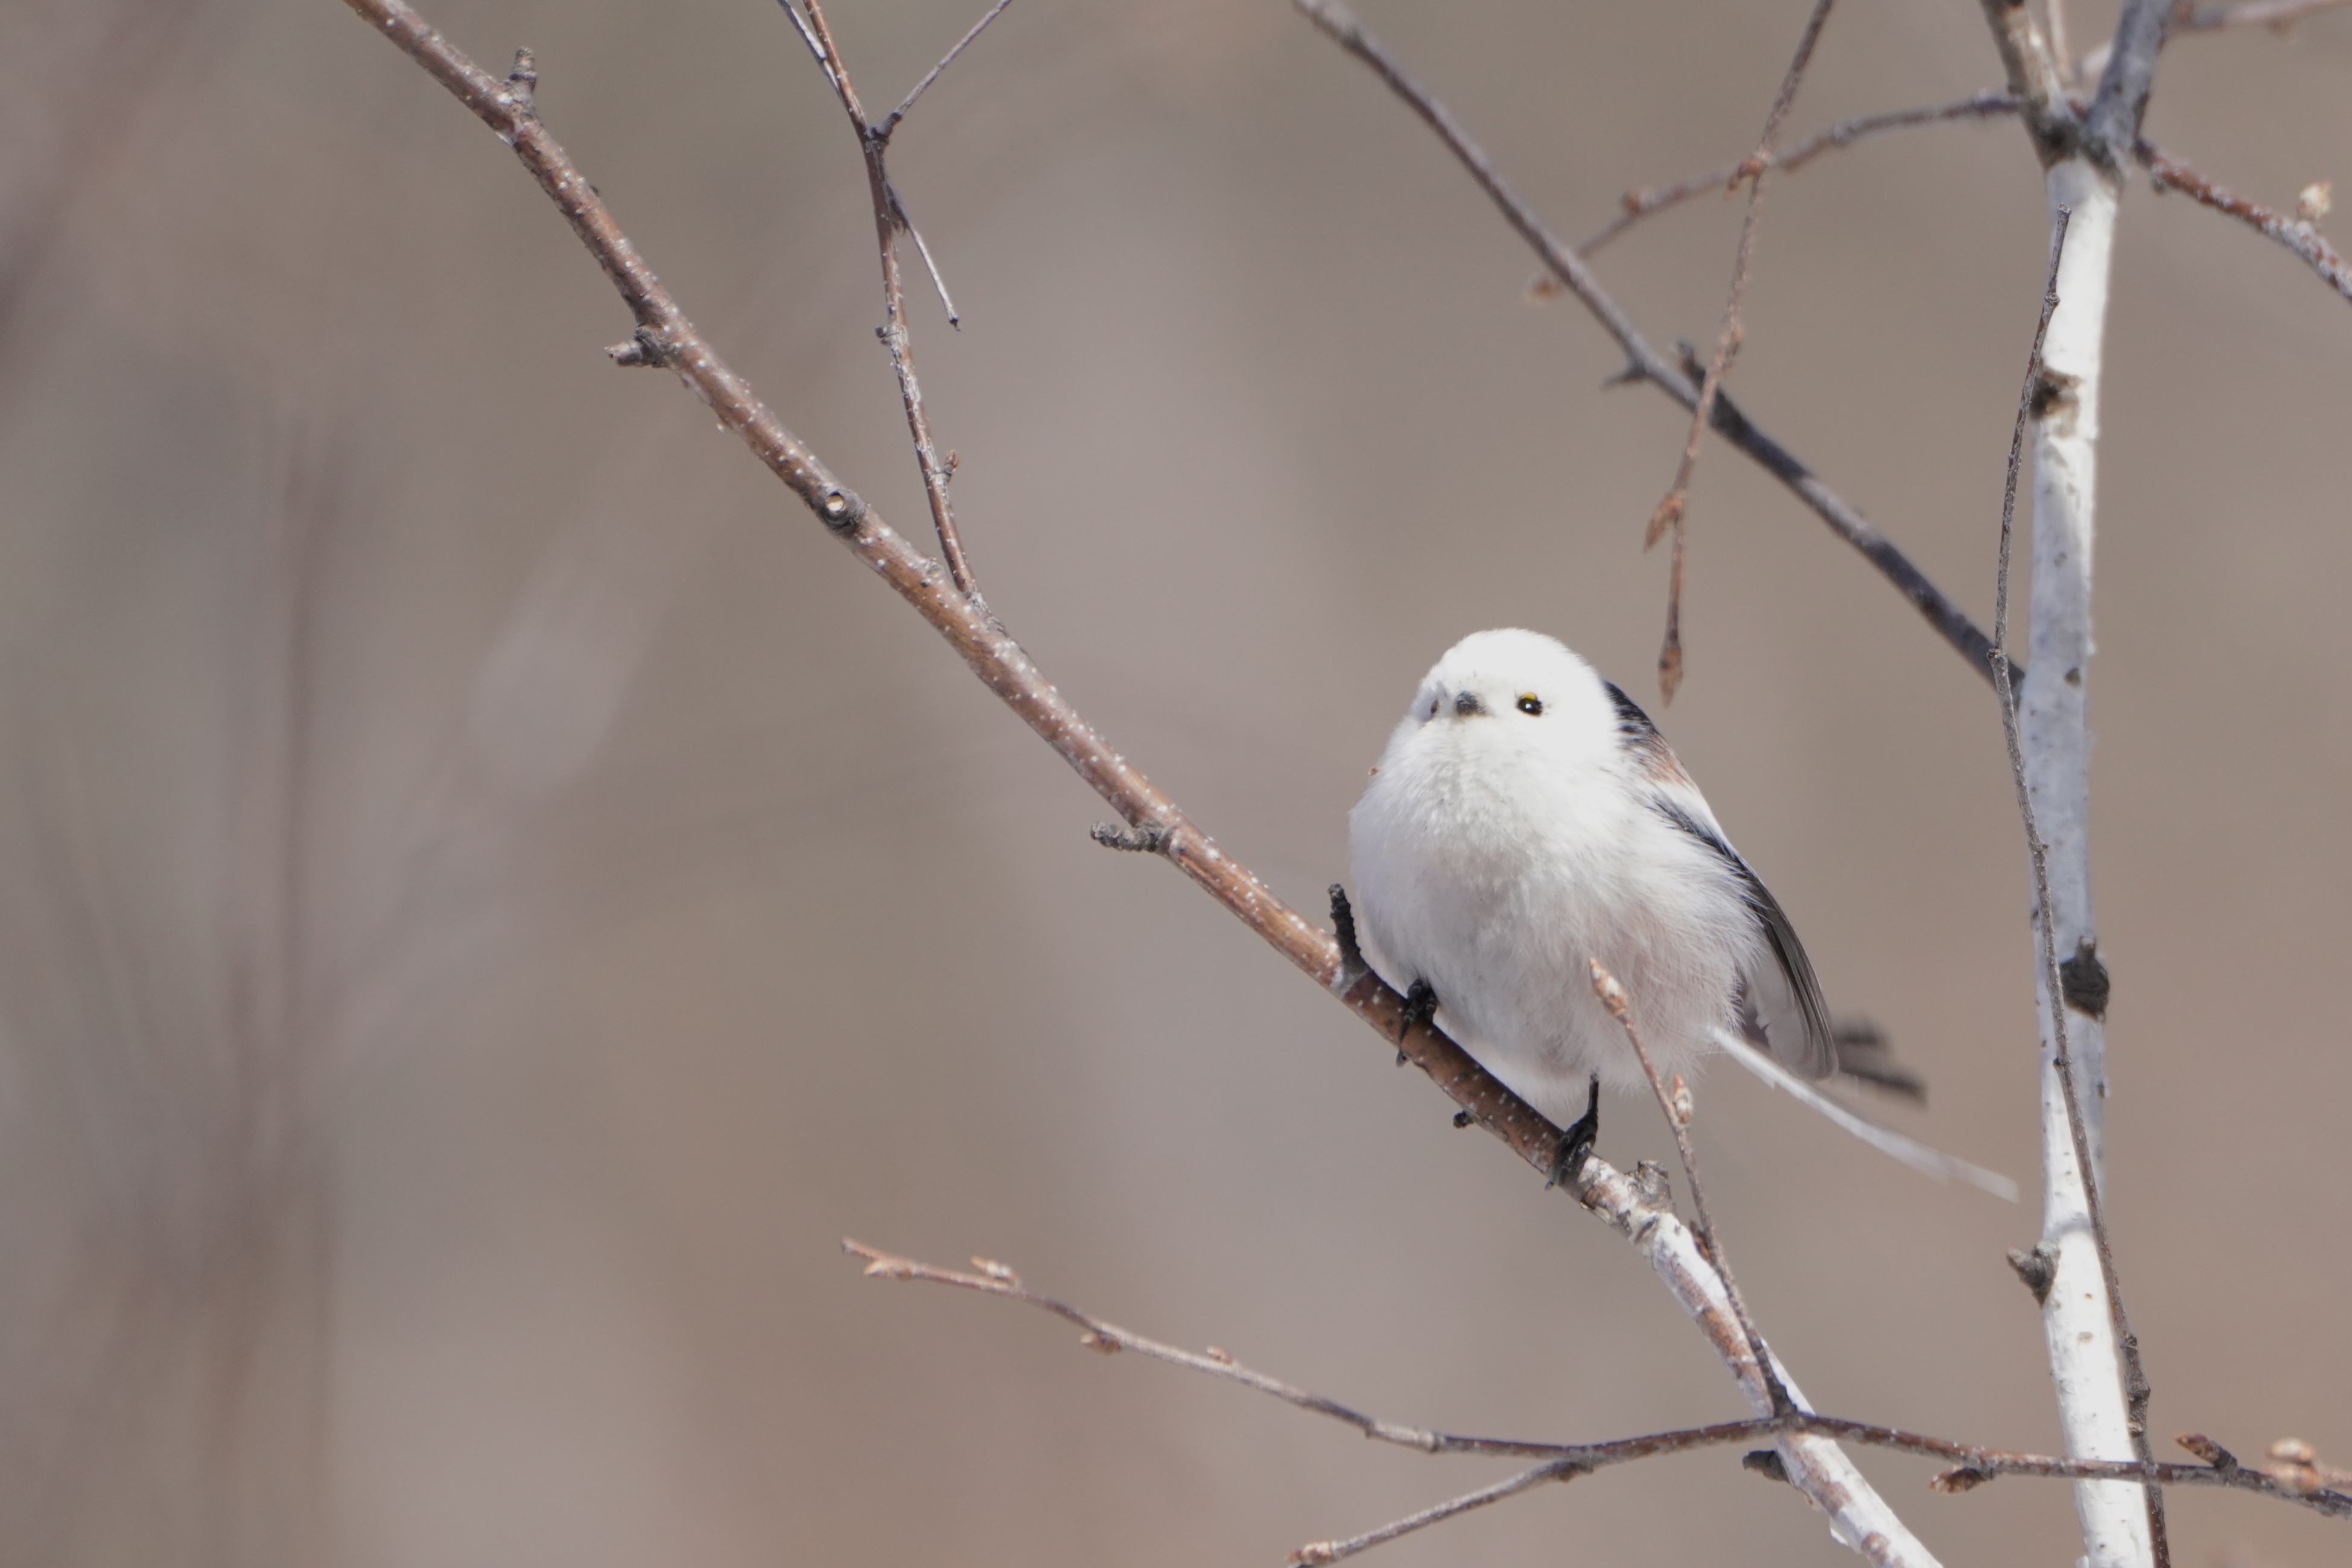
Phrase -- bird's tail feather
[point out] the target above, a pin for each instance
(1910, 1151)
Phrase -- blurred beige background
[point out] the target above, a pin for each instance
(491, 894)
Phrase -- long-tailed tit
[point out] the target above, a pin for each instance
(1527, 818)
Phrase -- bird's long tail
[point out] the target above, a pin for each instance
(1886, 1140)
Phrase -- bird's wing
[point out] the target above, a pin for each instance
(1779, 984)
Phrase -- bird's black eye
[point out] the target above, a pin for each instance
(1531, 704)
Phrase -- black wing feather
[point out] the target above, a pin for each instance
(1785, 993)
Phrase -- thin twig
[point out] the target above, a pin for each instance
(1972, 1465)
(889, 219)
(890, 121)
(1670, 511)
(2136, 1379)
(1645, 363)
(1644, 201)
(2169, 174)
(2188, 18)
(1525, 1481)
(1613, 997)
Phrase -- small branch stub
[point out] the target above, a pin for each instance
(2038, 1269)
(1143, 839)
(645, 350)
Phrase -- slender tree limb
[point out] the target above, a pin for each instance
(1642, 201)
(2169, 174)
(1613, 997)
(2113, 120)
(2035, 80)
(1525, 1481)
(1671, 510)
(890, 121)
(890, 220)
(2295, 1477)
(2189, 18)
(1644, 362)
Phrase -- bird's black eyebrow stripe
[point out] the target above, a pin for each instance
(1772, 920)
(1631, 722)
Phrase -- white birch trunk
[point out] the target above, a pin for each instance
(2085, 1362)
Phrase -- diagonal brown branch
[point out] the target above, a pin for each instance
(2169, 174)
(1644, 362)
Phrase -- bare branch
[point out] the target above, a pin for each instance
(2113, 122)
(890, 220)
(1642, 201)
(2273, 13)
(1645, 363)
(2035, 392)
(2170, 174)
(1669, 513)
(2295, 1478)
(2034, 79)
(1332, 1551)
(890, 121)
(1613, 997)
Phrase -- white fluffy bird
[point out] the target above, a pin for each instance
(1527, 818)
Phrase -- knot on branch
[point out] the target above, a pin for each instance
(2082, 980)
(644, 348)
(522, 84)
(2055, 397)
(842, 510)
(2039, 1269)
(1143, 839)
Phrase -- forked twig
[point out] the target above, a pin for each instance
(1670, 511)
(2296, 1478)
(890, 220)
(1642, 201)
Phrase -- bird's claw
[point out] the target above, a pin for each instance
(1576, 1139)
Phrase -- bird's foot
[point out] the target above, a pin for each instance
(1577, 1139)
(1420, 1008)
